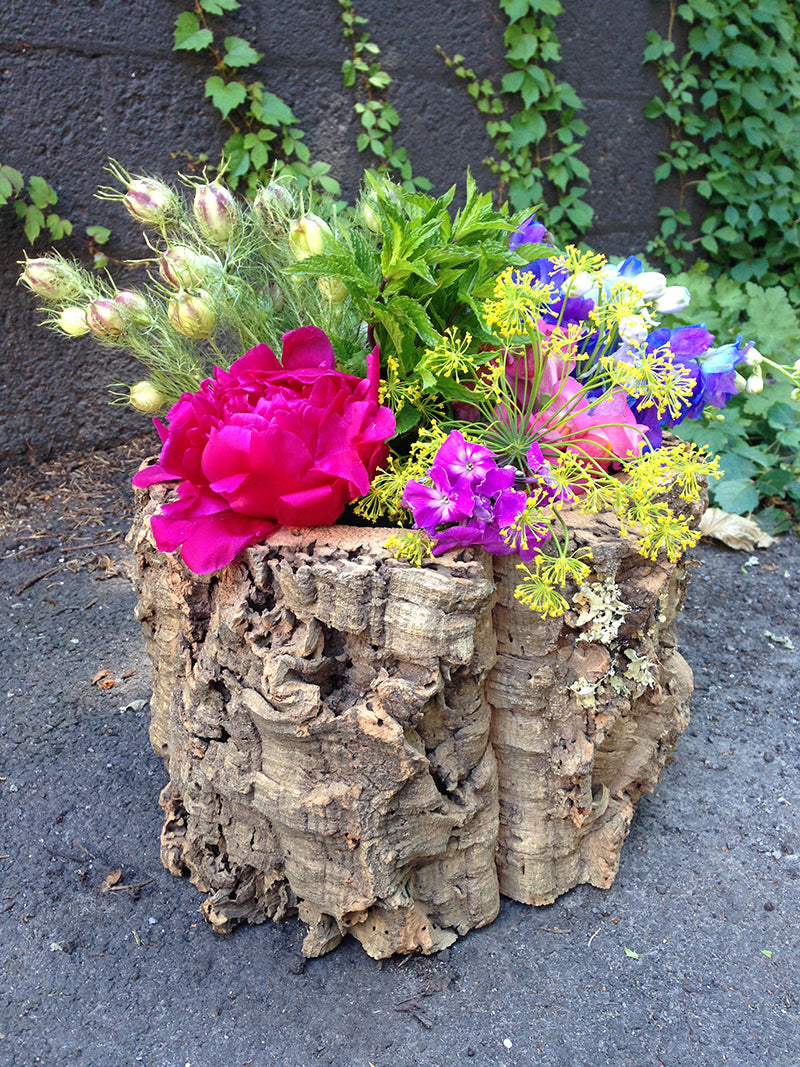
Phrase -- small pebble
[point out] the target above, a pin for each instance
(152, 921)
(769, 757)
(297, 965)
(470, 1051)
(769, 906)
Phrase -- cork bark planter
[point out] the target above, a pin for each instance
(384, 749)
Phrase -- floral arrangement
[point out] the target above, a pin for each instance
(448, 372)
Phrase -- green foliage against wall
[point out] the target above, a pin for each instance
(532, 120)
(732, 106)
(265, 138)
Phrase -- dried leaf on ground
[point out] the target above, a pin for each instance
(735, 531)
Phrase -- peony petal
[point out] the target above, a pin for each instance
(312, 507)
(259, 360)
(307, 348)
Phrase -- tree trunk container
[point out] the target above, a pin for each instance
(385, 749)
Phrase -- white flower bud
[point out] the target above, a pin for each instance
(216, 212)
(105, 319)
(305, 235)
(581, 284)
(796, 365)
(755, 384)
(633, 329)
(651, 283)
(145, 397)
(192, 316)
(794, 395)
(675, 298)
(72, 320)
(753, 358)
(739, 382)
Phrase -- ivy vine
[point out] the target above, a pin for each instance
(266, 139)
(532, 120)
(378, 119)
(731, 101)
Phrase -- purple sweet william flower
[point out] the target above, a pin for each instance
(264, 444)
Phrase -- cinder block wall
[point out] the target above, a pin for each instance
(80, 83)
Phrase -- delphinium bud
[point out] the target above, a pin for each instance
(216, 212)
(51, 279)
(273, 206)
(151, 201)
(105, 319)
(305, 235)
(72, 320)
(755, 384)
(145, 397)
(192, 316)
(183, 268)
(794, 395)
(332, 288)
(136, 308)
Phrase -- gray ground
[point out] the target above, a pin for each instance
(690, 959)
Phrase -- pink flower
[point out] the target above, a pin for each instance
(264, 444)
(603, 430)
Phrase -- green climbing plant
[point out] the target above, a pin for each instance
(731, 102)
(533, 120)
(265, 139)
(362, 72)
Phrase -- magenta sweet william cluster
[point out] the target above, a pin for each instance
(267, 443)
(472, 500)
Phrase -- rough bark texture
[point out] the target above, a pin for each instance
(382, 749)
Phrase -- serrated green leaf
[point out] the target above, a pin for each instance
(238, 53)
(188, 34)
(225, 96)
(275, 111)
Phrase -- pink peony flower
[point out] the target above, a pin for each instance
(266, 444)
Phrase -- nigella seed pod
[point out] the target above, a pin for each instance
(51, 278)
(305, 235)
(276, 296)
(332, 288)
(105, 319)
(192, 316)
(369, 216)
(145, 397)
(151, 201)
(134, 304)
(183, 268)
(273, 205)
(216, 212)
(72, 320)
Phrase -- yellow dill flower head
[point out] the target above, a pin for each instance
(517, 305)
(580, 261)
(414, 546)
(451, 358)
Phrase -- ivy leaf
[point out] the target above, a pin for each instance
(216, 7)
(41, 193)
(225, 96)
(99, 234)
(188, 35)
(239, 53)
(274, 112)
(34, 221)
